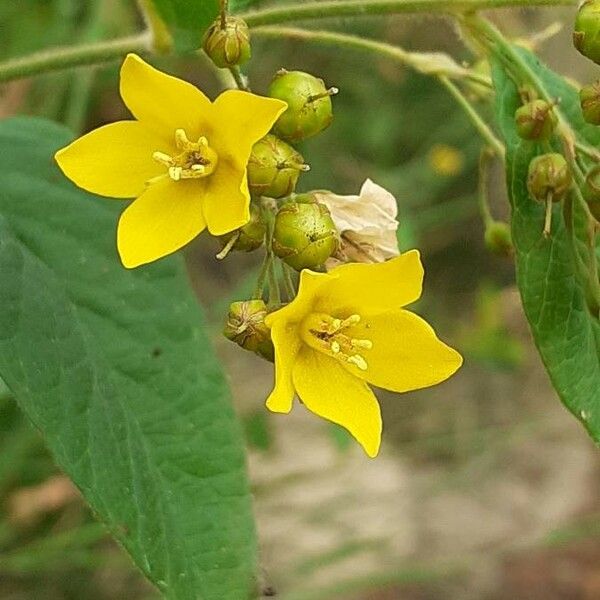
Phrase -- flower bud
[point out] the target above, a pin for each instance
(247, 238)
(586, 35)
(498, 239)
(227, 43)
(304, 235)
(589, 96)
(549, 177)
(309, 104)
(274, 168)
(246, 327)
(535, 120)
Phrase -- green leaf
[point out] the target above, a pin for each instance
(187, 20)
(115, 369)
(552, 287)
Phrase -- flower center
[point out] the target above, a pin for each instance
(329, 335)
(195, 159)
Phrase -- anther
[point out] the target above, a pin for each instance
(335, 347)
(181, 138)
(162, 158)
(364, 344)
(359, 361)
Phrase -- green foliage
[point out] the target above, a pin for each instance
(116, 371)
(553, 285)
(187, 21)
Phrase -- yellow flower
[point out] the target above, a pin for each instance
(347, 328)
(184, 160)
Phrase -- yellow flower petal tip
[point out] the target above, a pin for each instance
(183, 160)
(347, 329)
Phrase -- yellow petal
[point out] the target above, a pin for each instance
(406, 353)
(242, 119)
(287, 344)
(226, 204)
(114, 160)
(332, 392)
(163, 219)
(163, 102)
(311, 284)
(374, 287)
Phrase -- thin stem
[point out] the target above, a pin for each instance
(484, 207)
(64, 58)
(262, 276)
(240, 80)
(350, 8)
(478, 122)
(274, 292)
(290, 288)
(424, 63)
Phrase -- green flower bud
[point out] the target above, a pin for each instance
(549, 177)
(304, 235)
(247, 238)
(536, 120)
(498, 239)
(592, 192)
(589, 96)
(309, 104)
(586, 35)
(246, 327)
(274, 168)
(227, 43)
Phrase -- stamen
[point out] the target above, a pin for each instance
(327, 334)
(163, 159)
(195, 159)
(181, 138)
(359, 361)
(364, 344)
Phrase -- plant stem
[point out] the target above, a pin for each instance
(424, 63)
(478, 122)
(349, 8)
(484, 207)
(240, 80)
(64, 58)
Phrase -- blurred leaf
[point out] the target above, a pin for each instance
(187, 20)
(340, 437)
(115, 369)
(567, 335)
(258, 432)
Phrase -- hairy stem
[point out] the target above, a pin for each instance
(427, 63)
(350, 8)
(65, 58)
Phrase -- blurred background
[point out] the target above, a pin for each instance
(485, 486)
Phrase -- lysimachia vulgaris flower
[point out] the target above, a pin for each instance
(367, 224)
(347, 329)
(183, 159)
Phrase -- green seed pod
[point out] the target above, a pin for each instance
(274, 168)
(227, 44)
(246, 327)
(247, 238)
(549, 177)
(498, 239)
(535, 120)
(589, 96)
(592, 192)
(304, 235)
(309, 108)
(586, 34)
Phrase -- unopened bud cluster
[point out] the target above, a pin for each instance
(297, 229)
